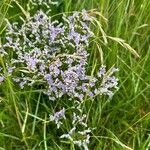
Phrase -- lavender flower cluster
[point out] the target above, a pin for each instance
(52, 53)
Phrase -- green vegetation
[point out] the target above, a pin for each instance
(122, 123)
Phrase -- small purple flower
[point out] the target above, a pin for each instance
(58, 63)
(84, 87)
(69, 61)
(42, 68)
(1, 79)
(57, 117)
(55, 31)
(102, 71)
(91, 94)
(22, 84)
(49, 79)
(10, 70)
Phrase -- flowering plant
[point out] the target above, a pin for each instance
(47, 52)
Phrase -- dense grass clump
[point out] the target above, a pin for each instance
(65, 97)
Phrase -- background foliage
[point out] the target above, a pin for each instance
(123, 122)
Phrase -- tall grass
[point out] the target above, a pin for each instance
(121, 123)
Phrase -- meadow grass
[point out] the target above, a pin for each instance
(122, 123)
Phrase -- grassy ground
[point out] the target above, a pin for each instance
(122, 123)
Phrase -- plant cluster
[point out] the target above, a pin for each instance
(52, 54)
